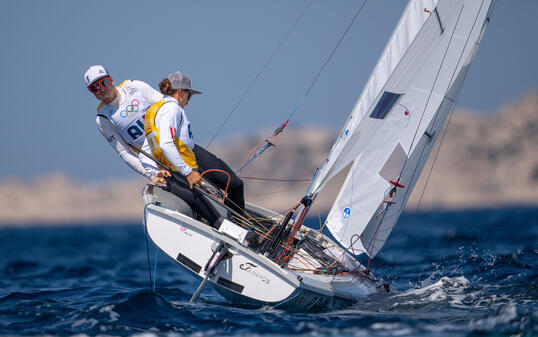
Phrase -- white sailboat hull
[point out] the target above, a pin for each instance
(389, 136)
(247, 277)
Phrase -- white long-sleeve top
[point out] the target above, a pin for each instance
(169, 119)
(122, 121)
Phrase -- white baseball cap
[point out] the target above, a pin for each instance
(94, 73)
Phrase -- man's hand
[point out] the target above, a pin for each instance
(194, 178)
(159, 177)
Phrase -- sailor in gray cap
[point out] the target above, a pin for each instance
(169, 138)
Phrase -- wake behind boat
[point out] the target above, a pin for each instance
(265, 258)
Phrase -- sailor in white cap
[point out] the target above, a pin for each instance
(169, 138)
(120, 114)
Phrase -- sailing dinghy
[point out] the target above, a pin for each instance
(265, 258)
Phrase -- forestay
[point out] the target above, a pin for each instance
(398, 117)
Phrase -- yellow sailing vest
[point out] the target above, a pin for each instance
(152, 134)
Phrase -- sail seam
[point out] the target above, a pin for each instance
(453, 102)
(348, 125)
(448, 123)
(400, 207)
(432, 88)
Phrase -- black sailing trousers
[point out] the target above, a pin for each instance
(197, 202)
(207, 161)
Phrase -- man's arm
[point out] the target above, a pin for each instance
(167, 122)
(148, 164)
(111, 134)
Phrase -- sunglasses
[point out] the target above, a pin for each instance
(188, 92)
(104, 82)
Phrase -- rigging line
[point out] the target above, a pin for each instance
(400, 207)
(321, 224)
(426, 106)
(328, 59)
(433, 87)
(348, 121)
(336, 47)
(448, 122)
(155, 269)
(336, 259)
(164, 166)
(298, 256)
(279, 130)
(246, 160)
(227, 182)
(372, 243)
(259, 73)
(276, 192)
(459, 60)
(278, 223)
(450, 115)
(418, 127)
(147, 253)
(270, 179)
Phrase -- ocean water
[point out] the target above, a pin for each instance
(461, 273)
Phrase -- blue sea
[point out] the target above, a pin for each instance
(459, 273)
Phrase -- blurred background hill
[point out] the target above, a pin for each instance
(485, 160)
(57, 168)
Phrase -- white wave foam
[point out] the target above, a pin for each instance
(448, 289)
(86, 322)
(395, 329)
(114, 316)
(445, 283)
(433, 276)
(505, 314)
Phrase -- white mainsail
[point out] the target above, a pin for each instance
(398, 117)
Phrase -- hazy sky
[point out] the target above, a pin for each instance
(49, 116)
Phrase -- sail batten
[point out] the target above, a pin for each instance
(397, 118)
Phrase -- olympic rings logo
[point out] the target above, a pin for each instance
(133, 107)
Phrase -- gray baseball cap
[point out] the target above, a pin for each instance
(181, 81)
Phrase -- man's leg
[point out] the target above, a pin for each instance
(207, 161)
(197, 203)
